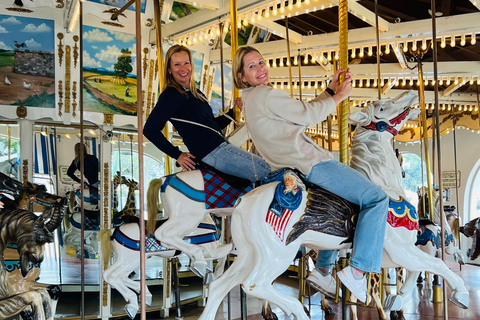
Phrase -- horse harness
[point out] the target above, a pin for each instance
(382, 126)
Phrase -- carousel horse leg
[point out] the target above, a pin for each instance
(172, 233)
(414, 259)
(135, 285)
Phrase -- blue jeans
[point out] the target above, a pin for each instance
(351, 185)
(237, 162)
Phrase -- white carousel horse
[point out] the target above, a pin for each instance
(10, 167)
(187, 197)
(263, 255)
(125, 243)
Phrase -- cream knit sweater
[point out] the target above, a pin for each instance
(276, 123)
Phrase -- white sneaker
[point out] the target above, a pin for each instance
(325, 284)
(357, 287)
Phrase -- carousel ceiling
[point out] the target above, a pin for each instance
(405, 34)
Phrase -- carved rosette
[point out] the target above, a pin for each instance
(108, 118)
(21, 112)
(60, 48)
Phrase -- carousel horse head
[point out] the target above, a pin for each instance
(10, 190)
(472, 229)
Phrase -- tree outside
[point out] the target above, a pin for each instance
(412, 165)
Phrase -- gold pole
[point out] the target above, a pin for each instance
(343, 61)
(158, 8)
(288, 55)
(234, 46)
(421, 93)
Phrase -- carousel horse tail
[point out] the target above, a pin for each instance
(71, 201)
(106, 244)
(152, 203)
(454, 227)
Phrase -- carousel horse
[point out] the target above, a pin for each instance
(187, 197)
(472, 230)
(10, 167)
(124, 241)
(265, 250)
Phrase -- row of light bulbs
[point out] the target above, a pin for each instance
(373, 83)
(447, 131)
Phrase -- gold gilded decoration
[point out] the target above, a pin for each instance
(113, 24)
(114, 11)
(68, 57)
(156, 69)
(150, 81)
(60, 48)
(22, 112)
(108, 118)
(149, 22)
(60, 97)
(145, 62)
(20, 10)
(25, 171)
(210, 80)
(153, 101)
(75, 51)
(106, 184)
(60, 4)
(205, 74)
(74, 97)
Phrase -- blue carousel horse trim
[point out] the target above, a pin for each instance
(179, 185)
(90, 225)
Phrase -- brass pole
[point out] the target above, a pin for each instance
(343, 61)
(234, 36)
(377, 35)
(421, 93)
(221, 66)
(158, 9)
(289, 61)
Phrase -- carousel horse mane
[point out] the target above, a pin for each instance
(472, 230)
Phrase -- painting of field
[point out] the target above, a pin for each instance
(27, 62)
(216, 99)
(109, 72)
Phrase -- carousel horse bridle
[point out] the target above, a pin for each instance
(389, 126)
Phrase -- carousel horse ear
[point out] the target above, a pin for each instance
(359, 118)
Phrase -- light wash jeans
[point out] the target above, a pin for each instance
(237, 162)
(351, 185)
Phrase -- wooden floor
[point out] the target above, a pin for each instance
(420, 308)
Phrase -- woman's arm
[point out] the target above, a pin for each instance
(224, 121)
(71, 172)
(153, 129)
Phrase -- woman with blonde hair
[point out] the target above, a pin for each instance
(188, 110)
(276, 123)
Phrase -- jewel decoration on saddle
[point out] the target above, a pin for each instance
(288, 197)
(402, 214)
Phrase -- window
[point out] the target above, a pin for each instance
(412, 165)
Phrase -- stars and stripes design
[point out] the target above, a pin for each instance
(278, 221)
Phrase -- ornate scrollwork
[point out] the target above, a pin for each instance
(150, 85)
(106, 185)
(205, 75)
(21, 112)
(60, 48)
(75, 51)
(113, 24)
(74, 97)
(149, 22)
(156, 69)
(60, 97)
(60, 4)
(68, 58)
(145, 61)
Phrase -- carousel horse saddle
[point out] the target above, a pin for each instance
(10, 190)
(234, 181)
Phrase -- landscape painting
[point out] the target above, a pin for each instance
(27, 62)
(120, 3)
(216, 99)
(109, 71)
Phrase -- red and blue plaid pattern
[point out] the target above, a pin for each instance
(218, 193)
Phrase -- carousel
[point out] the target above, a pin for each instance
(97, 221)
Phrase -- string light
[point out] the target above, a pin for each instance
(361, 53)
(405, 47)
(452, 41)
(442, 43)
(424, 44)
(370, 51)
(473, 39)
(281, 62)
(305, 59)
(387, 49)
(462, 40)
(414, 45)
(353, 53)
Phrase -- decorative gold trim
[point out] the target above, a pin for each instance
(60, 4)
(74, 97)
(106, 185)
(20, 10)
(25, 171)
(149, 22)
(68, 58)
(145, 62)
(21, 112)
(60, 48)
(75, 51)
(156, 69)
(150, 81)
(153, 101)
(60, 97)
(210, 81)
(205, 75)
(108, 118)
(113, 24)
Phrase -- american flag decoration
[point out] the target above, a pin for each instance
(279, 222)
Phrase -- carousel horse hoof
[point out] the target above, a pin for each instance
(148, 300)
(131, 310)
(393, 303)
(199, 269)
(460, 299)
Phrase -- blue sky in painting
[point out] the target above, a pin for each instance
(101, 47)
(37, 34)
(121, 3)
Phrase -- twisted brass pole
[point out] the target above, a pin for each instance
(343, 61)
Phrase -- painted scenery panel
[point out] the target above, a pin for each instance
(27, 62)
(109, 72)
(216, 99)
(121, 3)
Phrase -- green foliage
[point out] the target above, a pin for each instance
(412, 165)
(124, 64)
(44, 100)
(6, 59)
(14, 147)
